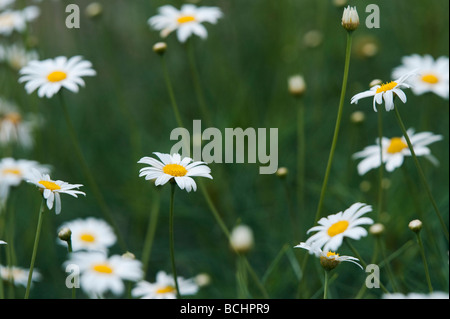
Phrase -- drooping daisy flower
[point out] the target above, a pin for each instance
(394, 151)
(52, 189)
(328, 259)
(385, 92)
(432, 75)
(19, 275)
(186, 22)
(100, 274)
(13, 172)
(334, 228)
(174, 168)
(50, 75)
(90, 234)
(16, 127)
(164, 287)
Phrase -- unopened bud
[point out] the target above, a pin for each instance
(160, 48)
(65, 234)
(94, 10)
(415, 225)
(241, 239)
(297, 85)
(282, 172)
(376, 229)
(350, 19)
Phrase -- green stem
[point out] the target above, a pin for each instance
(421, 173)
(172, 250)
(87, 172)
(425, 264)
(337, 127)
(388, 265)
(301, 156)
(325, 285)
(70, 250)
(170, 90)
(151, 229)
(381, 168)
(36, 242)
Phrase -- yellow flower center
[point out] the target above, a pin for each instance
(430, 78)
(396, 146)
(12, 171)
(57, 76)
(50, 185)
(185, 19)
(338, 228)
(103, 268)
(13, 117)
(330, 253)
(387, 87)
(165, 290)
(87, 237)
(175, 170)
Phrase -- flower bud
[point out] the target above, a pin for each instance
(415, 225)
(376, 229)
(94, 10)
(282, 172)
(350, 19)
(65, 234)
(241, 239)
(297, 85)
(160, 48)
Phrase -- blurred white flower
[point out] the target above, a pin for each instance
(432, 75)
(50, 75)
(5, 3)
(241, 238)
(164, 287)
(394, 151)
(334, 228)
(52, 189)
(90, 234)
(19, 275)
(16, 20)
(16, 56)
(186, 22)
(173, 167)
(100, 274)
(387, 92)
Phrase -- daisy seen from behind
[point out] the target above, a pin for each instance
(394, 151)
(49, 76)
(52, 189)
(164, 287)
(432, 75)
(386, 92)
(174, 168)
(90, 234)
(100, 274)
(186, 22)
(333, 229)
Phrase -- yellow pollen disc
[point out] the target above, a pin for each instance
(387, 87)
(330, 253)
(13, 117)
(430, 78)
(165, 290)
(57, 76)
(103, 268)
(175, 170)
(12, 171)
(396, 146)
(87, 237)
(337, 228)
(50, 185)
(185, 19)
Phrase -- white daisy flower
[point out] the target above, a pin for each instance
(19, 275)
(334, 228)
(52, 189)
(50, 75)
(16, 127)
(385, 92)
(328, 259)
(164, 287)
(13, 172)
(90, 234)
(394, 151)
(2, 242)
(100, 274)
(5, 3)
(186, 22)
(16, 56)
(432, 75)
(174, 168)
(16, 20)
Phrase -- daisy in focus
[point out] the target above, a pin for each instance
(174, 168)
(164, 287)
(432, 75)
(329, 260)
(49, 76)
(18, 275)
(13, 172)
(332, 229)
(51, 189)
(100, 274)
(90, 234)
(385, 92)
(394, 151)
(187, 21)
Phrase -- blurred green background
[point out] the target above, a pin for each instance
(124, 113)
